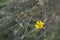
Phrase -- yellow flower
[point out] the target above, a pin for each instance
(39, 25)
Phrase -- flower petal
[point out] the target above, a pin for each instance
(37, 22)
(36, 26)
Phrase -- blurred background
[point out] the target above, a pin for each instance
(18, 17)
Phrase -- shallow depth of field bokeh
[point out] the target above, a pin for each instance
(29, 19)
